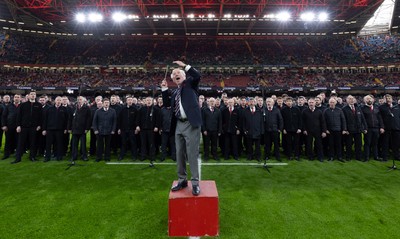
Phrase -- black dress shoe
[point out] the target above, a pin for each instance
(5, 157)
(15, 161)
(33, 159)
(179, 186)
(196, 190)
(85, 159)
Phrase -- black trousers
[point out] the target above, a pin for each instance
(231, 145)
(11, 141)
(115, 142)
(168, 141)
(54, 137)
(314, 138)
(271, 137)
(92, 147)
(390, 140)
(66, 141)
(103, 147)
(41, 143)
(128, 141)
(335, 144)
(211, 139)
(76, 138)
(371, 143)
(147, 144)
(356, 140)
(292, 144)
(253, 153)
(26, 135)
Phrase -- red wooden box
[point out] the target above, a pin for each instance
(195, 216)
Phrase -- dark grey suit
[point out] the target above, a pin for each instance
(187, 131)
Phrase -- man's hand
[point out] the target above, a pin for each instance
(179, 63)
(155, 130)
(237, 132)
(284, 131)
(18, 129)
(38, 128)
(119, 131)
(323, 135)
(96, 132)
(205, 133)
(4, 128)
(44, 132)
(298, 131)
(164, 84)
(305, 132)
(381, 130)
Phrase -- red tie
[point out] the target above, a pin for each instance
(352, 109)
(230, 110)
(372, 109)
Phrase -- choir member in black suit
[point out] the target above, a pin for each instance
(241, 138)
(314, 128)
(98, 104)
(273, 125)
(55, 123)
(356, 125)
(29, 121)
(148, 125)
(167, 137)
(390, 136)
(253, 128)
(336, 127)
(231, 129)
(127, 128)
(211, 128)
(375, 127)
(292, 125)
(8, 123)
(79, 124)
(115, 139)
(104, 125)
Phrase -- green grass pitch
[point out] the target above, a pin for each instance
(301, 200)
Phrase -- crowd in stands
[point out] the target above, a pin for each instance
(284, 78)
(294, 51)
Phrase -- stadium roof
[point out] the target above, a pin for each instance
(191, 17)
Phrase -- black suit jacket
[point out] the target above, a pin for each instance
(80, 119)
(230, 121)
(273, 120)
(212, 121)
(253, 125)
(355, 121)
(313, 122)
(291, 119)
(373, 118)
(189, 99)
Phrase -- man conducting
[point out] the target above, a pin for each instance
(186, 122)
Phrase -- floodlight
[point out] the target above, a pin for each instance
(307, 16)
(283, 16)
(80, 17)
(323, 16)
(119, 17)
(95, 17)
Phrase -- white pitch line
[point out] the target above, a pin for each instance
(202, 164)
